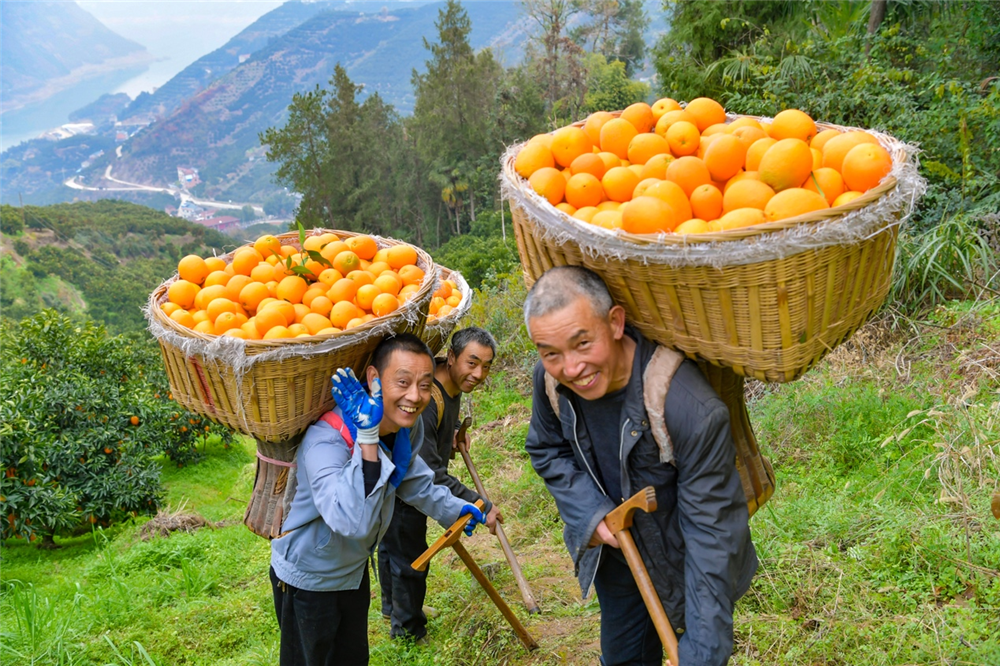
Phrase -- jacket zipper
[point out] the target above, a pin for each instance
(621, 451)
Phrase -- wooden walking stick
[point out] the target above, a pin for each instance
(618, 522)
(522, 582)
(451, 538)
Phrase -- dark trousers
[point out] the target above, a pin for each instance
(628, 636)
(403, 587)
(322, 628)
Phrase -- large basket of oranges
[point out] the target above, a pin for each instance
(752, 243)
(261, 363)
(451, 302)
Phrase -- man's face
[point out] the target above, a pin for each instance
(406, 388)
(472, 366)
(579, 347)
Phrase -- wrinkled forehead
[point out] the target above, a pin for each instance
(403, 363)
(564, 326)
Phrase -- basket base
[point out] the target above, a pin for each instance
(273, 488)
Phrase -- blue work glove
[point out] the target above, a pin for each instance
(402, 450)
(477, 518)
(363, 411)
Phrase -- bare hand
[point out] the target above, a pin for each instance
(492, 518)
(459, 444)
(603, 535)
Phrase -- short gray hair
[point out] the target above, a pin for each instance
(560, 286)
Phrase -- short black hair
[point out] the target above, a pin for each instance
(407, 342)
(461, 339)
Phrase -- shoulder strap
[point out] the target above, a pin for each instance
(550, 390)
(656, 380)
(334, 420)
(438, 399)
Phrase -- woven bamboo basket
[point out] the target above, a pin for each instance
(273, 390)
(437, 330)
(768, 301)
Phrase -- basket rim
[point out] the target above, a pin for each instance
(253, 347)
(450, 321)
(896, 148)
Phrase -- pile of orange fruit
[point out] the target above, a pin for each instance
(272, 291)
(663, 168)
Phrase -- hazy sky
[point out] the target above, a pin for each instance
(177, 32)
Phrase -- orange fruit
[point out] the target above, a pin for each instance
(366, 295)
(225, 321)
(382, 255)
(792, 202)
(237, 333)
(215, 264)
(321, 305)
(267, 301)
(826, 181)
(183, 317)
(608, 205)
(401, 255)
(717, 128)
(384, 304)
(343, 312)
(610, 161)
(235, 285)
(549, 183)
(217, 277)
(588, 163)
(568, 143)
(674, 196)
(725, 157)
(566, 173)
(436, 304)
(286, 309)
(250, 328)
(586, 213)
(865, 165)
(246, 260)
(315, 322)
(607, 219)
(671, 117)
(646, 146)
(347, 261)
(291, 288)
(743, 122)
(170, 308)
(836, 149)
(820, 139)
(640, 115)
(314, 268)
(268, 318)
(749, 135)
(209, 294)
(363, 246)
(407, 292)
(692, 226)
(706, 112)
(329, 276)
(793, 124)
(706, 202)
(741, 217)
(616, 135)
(747, 193)
(454, 300)
(411, 275)
(817, 158)
(543, 139)
(315, 290)
(252, 294)
(584, 190)
(786, 164)
(388, 283)
(354, 323)
(193, 269)
(756, 151)
(267, 245)
(205, 326)
(683, 138)
(277, 333)
(361, 277)
(218, 306)
(200, 316)
(619, 183)
(648, 215)
(332, 249)
(845, 198)
(312, 243)
(656, 166)
(742, 175)
(644, 185)
(530, 159)
(662, 106)
(378, 268)
(183, 293)
(564, 207)
(688, 172)
(593, 125)
(263, 272)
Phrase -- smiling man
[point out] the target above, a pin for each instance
(594, 443)
(351, 466)
(466, 367)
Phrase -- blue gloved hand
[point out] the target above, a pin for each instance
(362, 410)
(477, 518)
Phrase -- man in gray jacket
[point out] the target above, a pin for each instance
(599, 450)
(352, 464)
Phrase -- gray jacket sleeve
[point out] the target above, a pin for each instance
(419, 490)
(581, 503)
(438, 461)
(713, 520)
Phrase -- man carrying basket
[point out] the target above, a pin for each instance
(614, 413)
(352, 464)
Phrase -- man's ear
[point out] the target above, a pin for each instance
(616, 318)
(371, 374)
(451, 357)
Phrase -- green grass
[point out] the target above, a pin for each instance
(878, 547)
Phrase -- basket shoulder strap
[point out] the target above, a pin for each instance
(550, 390)
(438, 399)
(656, 379)
(334, 420)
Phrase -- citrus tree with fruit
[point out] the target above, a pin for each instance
(84, 416)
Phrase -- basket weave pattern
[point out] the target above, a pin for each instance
(274, 389)
(436, 333)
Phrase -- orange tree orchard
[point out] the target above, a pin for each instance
(84, 416)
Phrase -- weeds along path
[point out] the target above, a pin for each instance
(878, 547)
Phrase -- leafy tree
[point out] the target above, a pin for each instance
(609, 86)
(11, 223)
(615, 30)
(554, 59)
(83, 416)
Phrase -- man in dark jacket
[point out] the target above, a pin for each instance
(466, 366)
(600, 450)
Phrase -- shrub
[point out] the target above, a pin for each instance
(84, 414)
